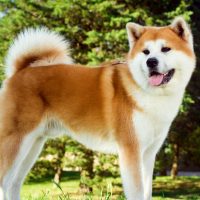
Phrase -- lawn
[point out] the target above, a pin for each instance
(184, 188)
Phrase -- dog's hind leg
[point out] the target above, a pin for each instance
(1, 193)
(15, 182)
(18, 132)
(9, 146)
(14, 149)
(22, 119)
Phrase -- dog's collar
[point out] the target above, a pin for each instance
(118, 62)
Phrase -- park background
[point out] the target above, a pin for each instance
(96, 31)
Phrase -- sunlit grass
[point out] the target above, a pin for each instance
(183, 188)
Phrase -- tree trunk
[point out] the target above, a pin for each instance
(59, 161)
(163, 166)
(87, 173)
(174, 169)
(57, 175)
(163, 172)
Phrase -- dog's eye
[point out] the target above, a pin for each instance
(146, 51)
(165, 49)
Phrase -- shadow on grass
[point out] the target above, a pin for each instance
(177, 193)
(66, 176)
(181, 188)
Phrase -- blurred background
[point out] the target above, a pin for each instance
(96, 31)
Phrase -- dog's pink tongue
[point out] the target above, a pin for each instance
(156, 80)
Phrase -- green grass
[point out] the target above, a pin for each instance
(183, 188)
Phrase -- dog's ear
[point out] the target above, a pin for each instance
(134, 32)
(181, 28)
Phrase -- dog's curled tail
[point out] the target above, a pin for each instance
(37, 47)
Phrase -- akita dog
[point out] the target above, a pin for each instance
(120, 107)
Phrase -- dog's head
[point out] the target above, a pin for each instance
(161, 59)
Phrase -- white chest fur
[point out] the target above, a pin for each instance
(153, 121)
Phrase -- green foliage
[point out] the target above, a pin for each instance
(42, 169)
(51, 159)
(164, 159)
(182, 9)
(187, 101)
(105, 166)
(95, 28)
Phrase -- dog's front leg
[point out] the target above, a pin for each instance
(147, 168)
(148, 160)
(131, 173)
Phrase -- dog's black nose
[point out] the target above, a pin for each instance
(152, 63)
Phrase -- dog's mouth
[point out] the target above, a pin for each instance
(157, 79)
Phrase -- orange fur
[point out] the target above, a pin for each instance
(84, 99)
(167, 33)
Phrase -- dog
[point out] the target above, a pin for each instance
(119, 107)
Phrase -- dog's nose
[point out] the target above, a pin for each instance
(152, 63)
